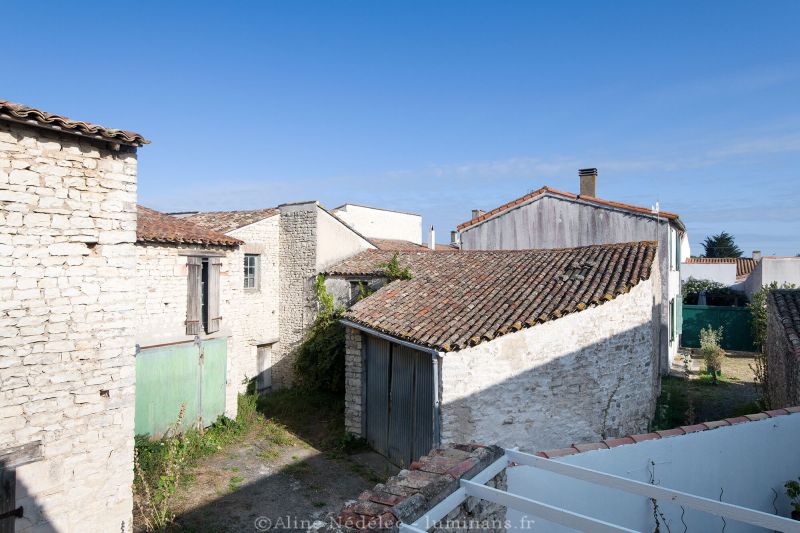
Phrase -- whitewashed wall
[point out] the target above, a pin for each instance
(741, 464)
(773, 269)
(382, 223)
(580, 378)
(67, 228)
(724, 273)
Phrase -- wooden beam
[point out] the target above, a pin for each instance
(20, 455)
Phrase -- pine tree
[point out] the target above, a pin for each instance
(721, 245)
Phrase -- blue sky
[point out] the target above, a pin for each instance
(436, 107)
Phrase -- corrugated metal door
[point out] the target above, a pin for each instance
(423, 439)
(378, 360)
(401, 406)
(400, 401)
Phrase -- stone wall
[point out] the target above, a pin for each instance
(413, 492)
(354, 381)
(298, 306)
(67, 258)
(586, 376)
(783, 364)
(255, 319)
(161, 296)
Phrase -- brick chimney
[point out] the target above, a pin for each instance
(757, 255)
(588, 178)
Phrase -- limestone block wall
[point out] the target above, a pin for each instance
(257, 312)
(584, 377)
(67, 259)
(161, 286)
(354, 381)
(297, 300)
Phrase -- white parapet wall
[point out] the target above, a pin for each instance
(382, 223)
(745, 464)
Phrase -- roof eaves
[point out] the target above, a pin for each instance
(29, 116)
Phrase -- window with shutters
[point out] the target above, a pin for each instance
(202, 306)
(251, 270)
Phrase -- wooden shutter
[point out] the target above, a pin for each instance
(194, 325)
(214, 318)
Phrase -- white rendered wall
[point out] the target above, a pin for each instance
(724, 273)
(381, 223)
(741, 464)
(336, 241)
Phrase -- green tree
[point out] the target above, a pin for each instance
(721, 245)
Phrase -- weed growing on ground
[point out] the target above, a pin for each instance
(160, 465)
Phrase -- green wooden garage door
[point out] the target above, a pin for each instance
(191, 374)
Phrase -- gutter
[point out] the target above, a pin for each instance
(384, 336)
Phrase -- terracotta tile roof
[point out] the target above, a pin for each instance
(787, 305)
(744, 265)
(152, 226)
(225, 221)
(675, 432)
(459, 299)
(569, 196)
(396, 245)
(29, 115)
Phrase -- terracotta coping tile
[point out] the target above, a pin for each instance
(737, 420)
(645, 436)
(717, 423)
(694, 428)
(757, 416)
(561, 452)
(674, 432)
(613, 443)
(777, 412)
(793, 409)
(590, 446)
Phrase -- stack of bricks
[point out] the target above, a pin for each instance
(411, 493)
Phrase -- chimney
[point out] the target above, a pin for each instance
(588, 178)
(454, 238)
(757, 255)
(432, 239)
(477, 212)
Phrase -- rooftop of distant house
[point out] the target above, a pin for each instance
(35, 117)
(744, 265)
(549, 191)
(462, 298)
(227, 221)
(398, 245)
(152, 226)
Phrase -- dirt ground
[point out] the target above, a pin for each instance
(735, 394)
(299, 484)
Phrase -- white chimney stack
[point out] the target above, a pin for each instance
(432, 239)
(757, 255)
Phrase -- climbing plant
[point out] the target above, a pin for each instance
(319, 364)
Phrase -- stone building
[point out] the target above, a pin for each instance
(297, 241)
(67, 321)
(548, 218)
(783, 347)
(189, 290)
(529, 348)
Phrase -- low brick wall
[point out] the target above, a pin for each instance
(411, 493)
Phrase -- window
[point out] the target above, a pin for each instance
(251, 264)
(202, 305)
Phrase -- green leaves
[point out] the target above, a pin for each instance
(721, 245)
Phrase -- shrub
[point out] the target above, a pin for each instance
(320, 358)
(392, 270)
(716, 293)
(711, 351)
